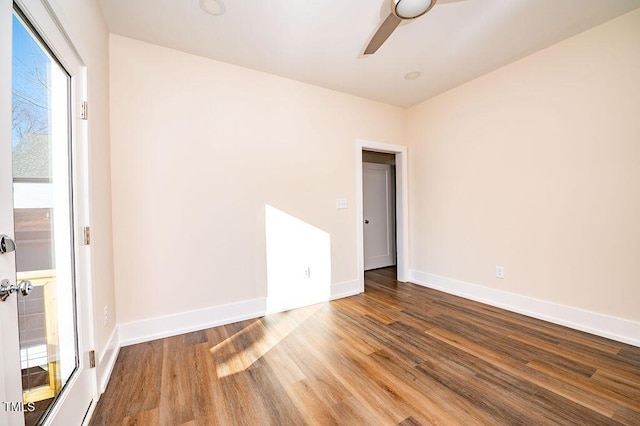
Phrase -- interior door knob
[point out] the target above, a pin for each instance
(6, 289)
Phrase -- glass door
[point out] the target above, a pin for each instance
(43, 221)
(40, 263)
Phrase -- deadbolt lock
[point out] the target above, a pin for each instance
(6, 244)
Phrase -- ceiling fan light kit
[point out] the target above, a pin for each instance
(401, 10)
(411, 9)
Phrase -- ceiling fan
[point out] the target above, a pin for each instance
(401, 10)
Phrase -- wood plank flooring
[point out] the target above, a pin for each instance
(398, 354)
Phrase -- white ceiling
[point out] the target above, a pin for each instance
(320, 41)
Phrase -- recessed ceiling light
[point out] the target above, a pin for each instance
(212, 7)
(412, 75)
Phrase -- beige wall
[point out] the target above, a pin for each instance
(84, 23)
(536, 167)
(199, 147)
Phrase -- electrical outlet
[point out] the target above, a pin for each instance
(106, 315)
(499, 271)
(307, 272)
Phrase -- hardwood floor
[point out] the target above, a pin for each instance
(396, 354)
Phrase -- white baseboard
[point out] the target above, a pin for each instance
(618, 329)
(172, 325)
(107, 361)
(186, 322)
(345, 289)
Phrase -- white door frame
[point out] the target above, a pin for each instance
(402, 207)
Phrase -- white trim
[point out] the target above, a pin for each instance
(618, 329)
(402, 207)
(345, 289)
(107, 361)
(186, 322)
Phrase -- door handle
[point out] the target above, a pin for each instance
(25, 287)
(6, 289)
(6, 244)
(366, 221)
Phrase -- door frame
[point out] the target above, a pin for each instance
(402, 207)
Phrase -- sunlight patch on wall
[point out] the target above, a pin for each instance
(298, 262)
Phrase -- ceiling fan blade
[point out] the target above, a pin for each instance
(383, 33)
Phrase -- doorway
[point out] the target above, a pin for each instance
(379, 209)
(399, 154)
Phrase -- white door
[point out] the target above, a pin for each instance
(45, 376)
(378, 197)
